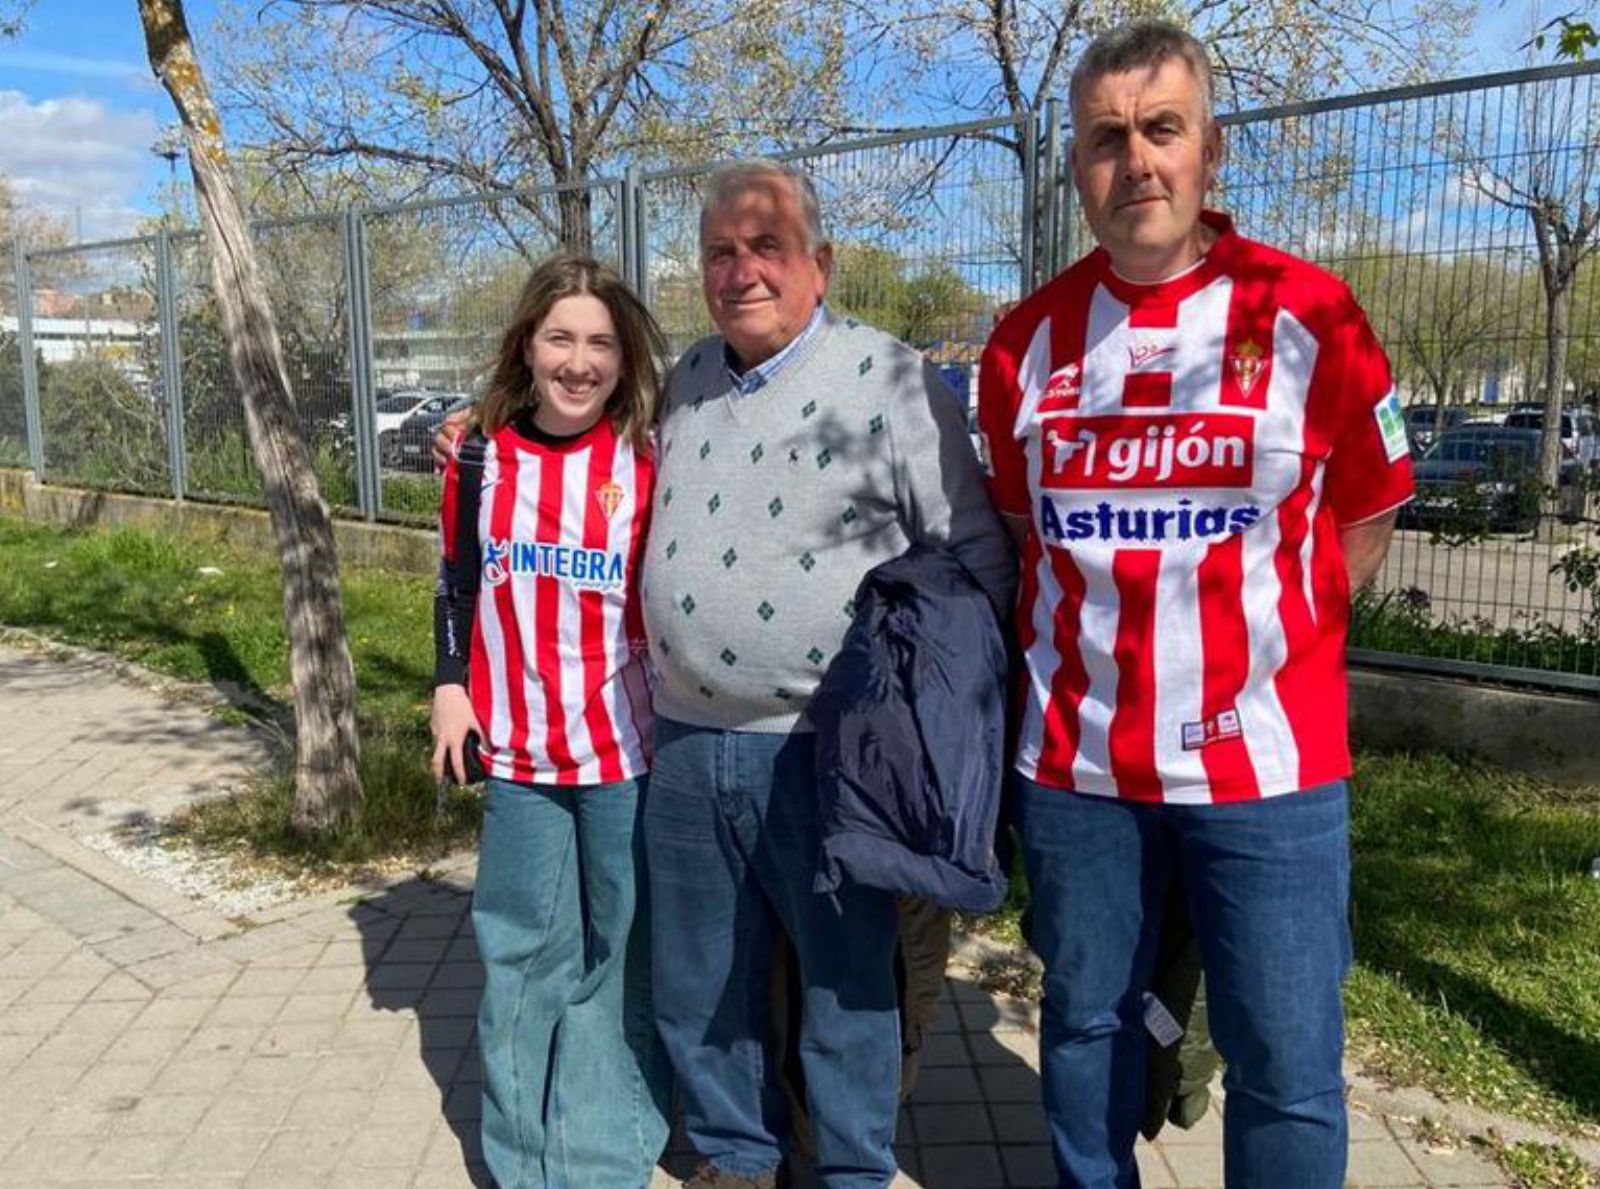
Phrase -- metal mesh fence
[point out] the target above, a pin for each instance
(928, 236)
(303, 266)
(1427, 203)
(97, 341)
(443, 280)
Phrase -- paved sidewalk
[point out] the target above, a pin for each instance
(145, 1039)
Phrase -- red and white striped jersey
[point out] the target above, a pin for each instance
(1186, 453)
(556, 672)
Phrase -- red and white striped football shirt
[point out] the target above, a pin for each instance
(556, 672)
(1186, 453)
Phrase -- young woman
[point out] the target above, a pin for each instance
(540, 654)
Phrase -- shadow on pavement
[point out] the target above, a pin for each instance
(420, 956)
(974, 1115)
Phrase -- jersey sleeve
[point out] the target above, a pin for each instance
(1369, 466)
(999, 396)
(456, 594)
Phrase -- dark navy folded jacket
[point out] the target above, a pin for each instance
(911, 734)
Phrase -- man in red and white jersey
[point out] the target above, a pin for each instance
(1196, 442)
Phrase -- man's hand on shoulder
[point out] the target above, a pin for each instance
(444, 439)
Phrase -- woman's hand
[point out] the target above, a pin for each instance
(444, 438)
(452, 722)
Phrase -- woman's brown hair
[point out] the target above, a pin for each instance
(632, 407)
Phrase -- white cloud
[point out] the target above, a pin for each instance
(67, 155)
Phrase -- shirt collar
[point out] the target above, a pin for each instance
(759, 376)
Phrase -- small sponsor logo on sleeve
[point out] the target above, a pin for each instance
(1392, 427)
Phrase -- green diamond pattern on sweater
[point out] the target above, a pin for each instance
(789, 493)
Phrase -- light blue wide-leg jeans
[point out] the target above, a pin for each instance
(575, 1083)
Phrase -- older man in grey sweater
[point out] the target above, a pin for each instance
(798, 449)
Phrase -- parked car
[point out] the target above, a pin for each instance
(1481, 477)
(1580, 435)
(409, 448)
(392, 409)
(1421, 420)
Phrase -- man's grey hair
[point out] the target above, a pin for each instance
(1141, 44)
(733, 179)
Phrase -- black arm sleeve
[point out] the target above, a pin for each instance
(455, 599)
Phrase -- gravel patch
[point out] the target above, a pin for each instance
(219, 881)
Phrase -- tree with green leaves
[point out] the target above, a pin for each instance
(1443, 320)
(920, 303)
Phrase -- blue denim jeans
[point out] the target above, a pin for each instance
(1267, 885)
(731, 832)
(575, 1086)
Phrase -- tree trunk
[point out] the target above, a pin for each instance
(327, 785)
(1557, 333)
(576, 236)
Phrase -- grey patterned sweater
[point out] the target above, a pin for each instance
(769, 509)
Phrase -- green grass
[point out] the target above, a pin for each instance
(145, 596)
(1477, 934)
(1539, 1166)
(400, 814)
(142, 595)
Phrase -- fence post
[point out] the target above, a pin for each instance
(639, 221)
(171, 363)
(1064, 245)
(363, 413)
(1054, 221)
(1032, 223)
(30, 365)
(628, 244)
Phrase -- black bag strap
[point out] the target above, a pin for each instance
(471, 452)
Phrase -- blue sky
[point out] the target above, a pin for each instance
(80, 109)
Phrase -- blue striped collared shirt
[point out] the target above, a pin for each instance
(758, 377)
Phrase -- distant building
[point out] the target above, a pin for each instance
(123, 341)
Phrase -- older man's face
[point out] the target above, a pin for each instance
(1143, 156)
(761, 282)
